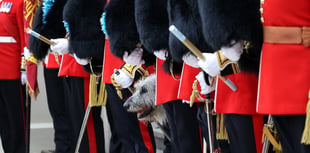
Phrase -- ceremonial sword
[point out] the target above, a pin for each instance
(198, 53)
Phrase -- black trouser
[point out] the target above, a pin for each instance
(290, 129)
(58, 109)
(12, 117)
(126, 134)
(184, 128)
(203, 123)
(93, 138)
(241, 133)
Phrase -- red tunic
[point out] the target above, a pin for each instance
(110, 63)
(52, 62)
(284, 80)
(166, 85)
(11, 27)
(243, 101)
(188, 77)
(69, 67)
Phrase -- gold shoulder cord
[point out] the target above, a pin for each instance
(94, 98)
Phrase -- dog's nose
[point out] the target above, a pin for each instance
(126, 106)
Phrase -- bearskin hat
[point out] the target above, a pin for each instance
(184, 14)
(121, 26)
(82, 21)
(225, 21)
(47, 22)
(152, 23)
(84, 29)
(122, 29)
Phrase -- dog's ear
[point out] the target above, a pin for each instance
(152, 23)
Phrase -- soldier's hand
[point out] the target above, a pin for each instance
(135, 57)
(81, 61)
(61, 46)
(233, 52)
(205, 89)
(122, 78)
(161, 54)
(210, 64)
(23, 77)
(190, 60)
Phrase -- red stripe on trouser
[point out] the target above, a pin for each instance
(146, 137)
(258, 123)
(90, 123)
(200, 133)
(23, 111)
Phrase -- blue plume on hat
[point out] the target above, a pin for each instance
(46, 7)
(66, 25)
(103, 25)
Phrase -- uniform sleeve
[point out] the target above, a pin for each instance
(20, 23)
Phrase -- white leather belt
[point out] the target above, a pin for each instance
(7, 39)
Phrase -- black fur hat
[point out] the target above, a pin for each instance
(238, 20)
(122, 29)
(152, 23)
(48, 23)
(82, 20)
(84, 28)
(184, 14)
(121, 26)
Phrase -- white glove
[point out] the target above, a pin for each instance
(234, 52)
(210, 64)
(190, 60)
(122, 78)
(205, 89)
(26, 53)
(23, 77)
(161, 54)
(46, 59)
(81, 61)
(135, 57)
(61, 46)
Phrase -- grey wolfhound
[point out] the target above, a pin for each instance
(142, 101)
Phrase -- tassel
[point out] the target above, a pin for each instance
(221, 133)
(94, 98)
(193, 95)
(306, 134)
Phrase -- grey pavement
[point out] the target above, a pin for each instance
(41, 134)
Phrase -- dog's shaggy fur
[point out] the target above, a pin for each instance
(142, 101)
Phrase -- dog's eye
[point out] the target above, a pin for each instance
(143, 90)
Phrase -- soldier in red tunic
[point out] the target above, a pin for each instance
(128, 134)
(284, 82)
(48, 22)
(12, 101)
(152, 20)
(233, 29)
(83, 46)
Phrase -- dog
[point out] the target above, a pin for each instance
(142, 101)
